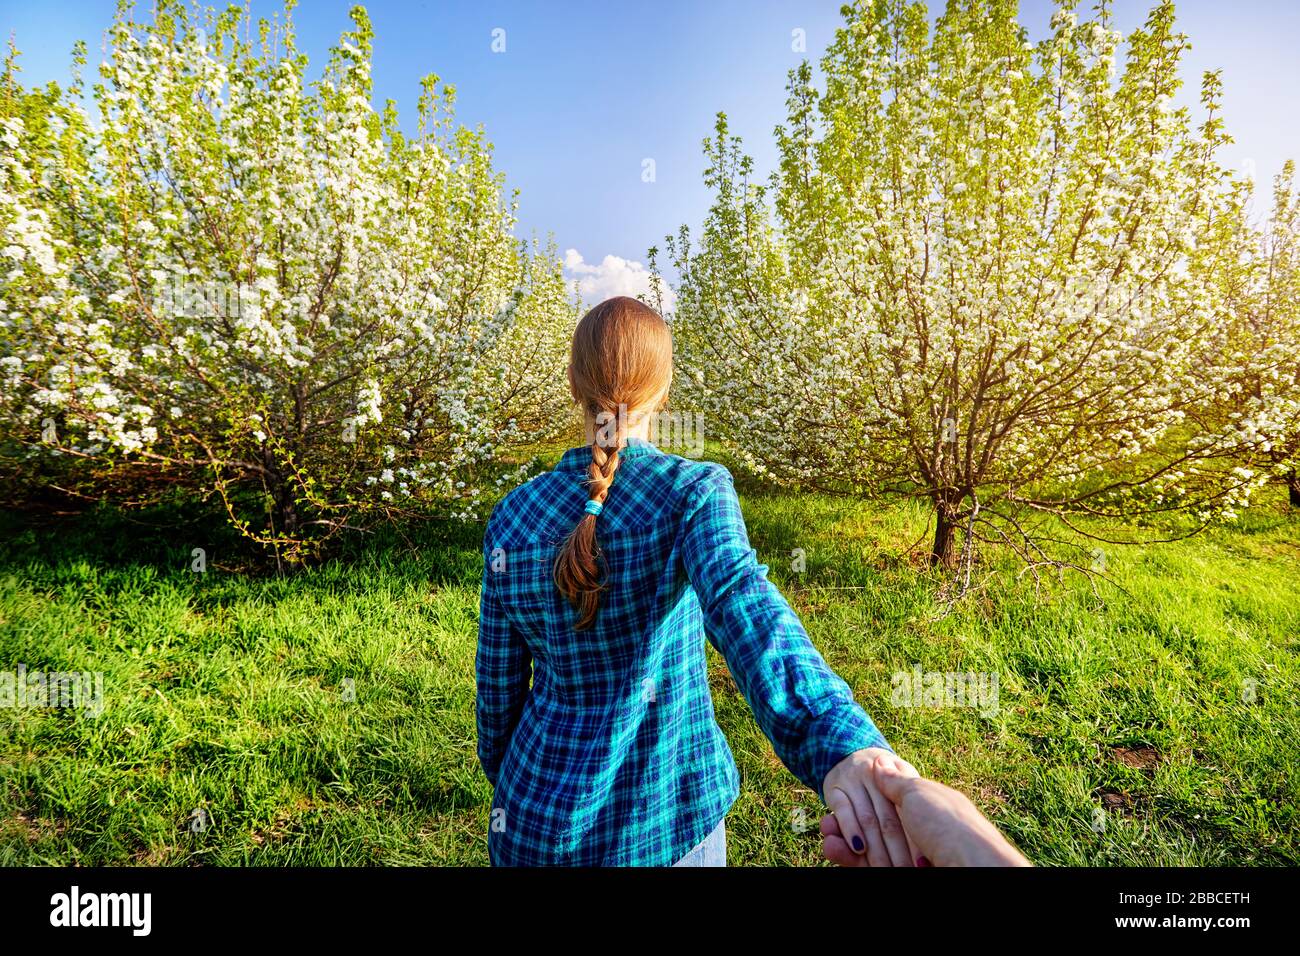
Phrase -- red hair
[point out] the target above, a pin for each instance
(620, 368)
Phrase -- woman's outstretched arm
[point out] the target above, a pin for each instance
(806, 710)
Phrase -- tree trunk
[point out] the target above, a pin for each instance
(943, 554)
(284, 508)
(286, 514)
(1293, 488)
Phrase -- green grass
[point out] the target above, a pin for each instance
(224, 693)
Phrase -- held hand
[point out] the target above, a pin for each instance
(941, 823)
(866, 829)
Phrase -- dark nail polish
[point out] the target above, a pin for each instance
(922, 861)
(857, 844)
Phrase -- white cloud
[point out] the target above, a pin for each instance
(613, 276)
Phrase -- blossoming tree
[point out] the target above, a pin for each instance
(982, 275)
(242, 282)
(1261, 411)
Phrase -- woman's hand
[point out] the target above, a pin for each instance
(869, 830)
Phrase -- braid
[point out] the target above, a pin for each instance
(620, 363)
(578, 567)
(604, 463)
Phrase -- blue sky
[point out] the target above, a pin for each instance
(586, 91)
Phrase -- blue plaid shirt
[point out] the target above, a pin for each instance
(613, 755)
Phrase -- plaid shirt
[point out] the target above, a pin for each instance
(613, 756)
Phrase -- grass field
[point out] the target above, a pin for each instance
(1151, 726)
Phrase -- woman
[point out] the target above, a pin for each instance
(602, 580)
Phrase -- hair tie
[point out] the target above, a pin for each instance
(594, 507)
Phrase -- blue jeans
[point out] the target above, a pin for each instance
(711, 851)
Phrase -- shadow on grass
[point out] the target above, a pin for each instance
(110, 544)
(117, 548)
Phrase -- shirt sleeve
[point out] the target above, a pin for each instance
(503, 669)
(806, 710)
